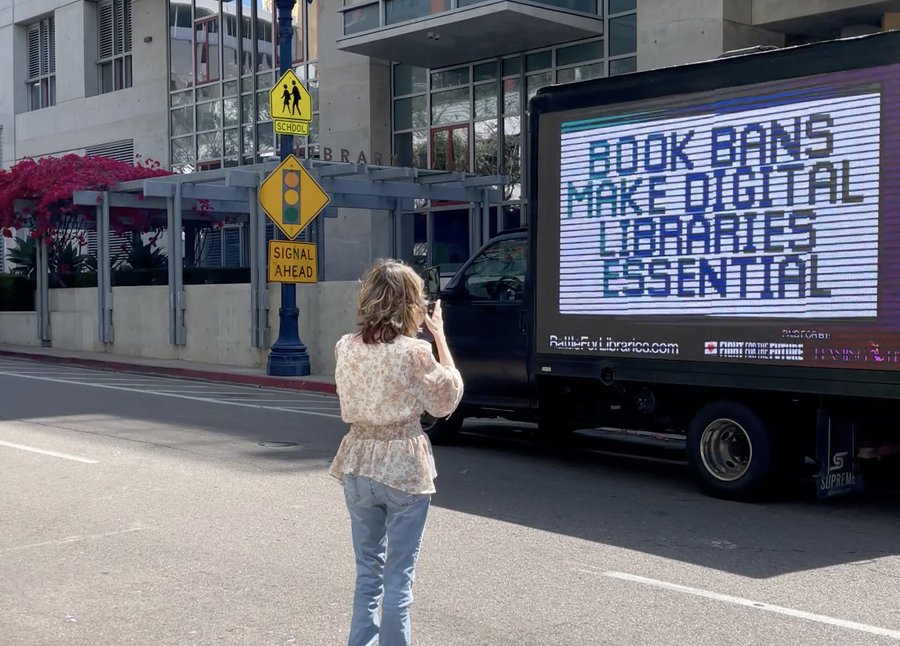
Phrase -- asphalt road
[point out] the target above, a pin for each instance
(141, 510)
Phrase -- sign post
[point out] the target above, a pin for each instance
(288, 356)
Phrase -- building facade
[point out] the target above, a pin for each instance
(439, 84)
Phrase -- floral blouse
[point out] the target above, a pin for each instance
(383, 390)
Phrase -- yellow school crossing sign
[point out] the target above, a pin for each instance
(291, 197)
(290, 105)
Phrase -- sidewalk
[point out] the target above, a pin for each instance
(170, 368)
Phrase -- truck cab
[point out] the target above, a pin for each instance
(484, 307)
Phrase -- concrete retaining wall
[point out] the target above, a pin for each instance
(217, 319)
(73, 319)
(19, 328)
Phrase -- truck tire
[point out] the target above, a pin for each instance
(730, 451)
(443, 430)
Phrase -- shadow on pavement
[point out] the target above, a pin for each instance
(647, 506)
(655, 508)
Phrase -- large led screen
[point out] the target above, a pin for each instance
(757, 225)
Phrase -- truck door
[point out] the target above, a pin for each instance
(484, 316)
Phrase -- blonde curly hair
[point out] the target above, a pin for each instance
(391, 302)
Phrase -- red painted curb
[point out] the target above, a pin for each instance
(285, 383)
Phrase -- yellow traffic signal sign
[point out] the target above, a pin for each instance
(291, 197)
(290, 105)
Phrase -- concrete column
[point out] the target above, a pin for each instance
(675, 32)
(739, 31)
(91, 49)
(13, 91)
(71, 37)
(150, 67)
(678, 31)
(354, 109)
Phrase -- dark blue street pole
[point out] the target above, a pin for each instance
(288, 356)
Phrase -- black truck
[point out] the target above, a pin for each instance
(712, 250)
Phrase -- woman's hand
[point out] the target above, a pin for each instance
(435, 321)
(435, 324)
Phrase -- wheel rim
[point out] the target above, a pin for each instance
(726, 450)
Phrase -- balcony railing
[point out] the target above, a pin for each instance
(361, 16)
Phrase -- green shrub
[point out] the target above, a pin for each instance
(16, 294)
(144, 277)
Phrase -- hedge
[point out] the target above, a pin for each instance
(16, 294)
(144, 277)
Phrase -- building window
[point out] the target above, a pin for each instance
(223, 62)
(471, 118)
(41, 64)
(114, 45)
(206, 42)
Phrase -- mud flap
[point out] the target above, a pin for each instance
(836, 449)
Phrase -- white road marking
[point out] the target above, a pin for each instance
(181, 385)
(749, 603)
(208, 393)
(132, 384)
(294, 402)
(138, 380)
(49, 373)
(55, 454)
(167, 394)
(69, 539)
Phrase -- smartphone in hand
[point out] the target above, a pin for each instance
(425, 334)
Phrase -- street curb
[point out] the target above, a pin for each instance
(284, 383)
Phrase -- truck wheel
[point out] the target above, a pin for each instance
(442, 431)
(730, 451)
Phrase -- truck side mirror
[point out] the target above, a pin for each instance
(433, 281)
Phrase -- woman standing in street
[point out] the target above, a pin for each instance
(386, 378)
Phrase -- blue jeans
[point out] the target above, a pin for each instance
(387, 526)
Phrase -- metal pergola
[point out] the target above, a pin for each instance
(234, 191)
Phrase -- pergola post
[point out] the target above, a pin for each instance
(170, 243)
(104, 270)
(175, 265)
(43, 291)
(395, 221)
(486, 217)
(319, 226)
(258, 278)
(176, 260)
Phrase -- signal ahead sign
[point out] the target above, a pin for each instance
(291, 197)
(292, 262)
